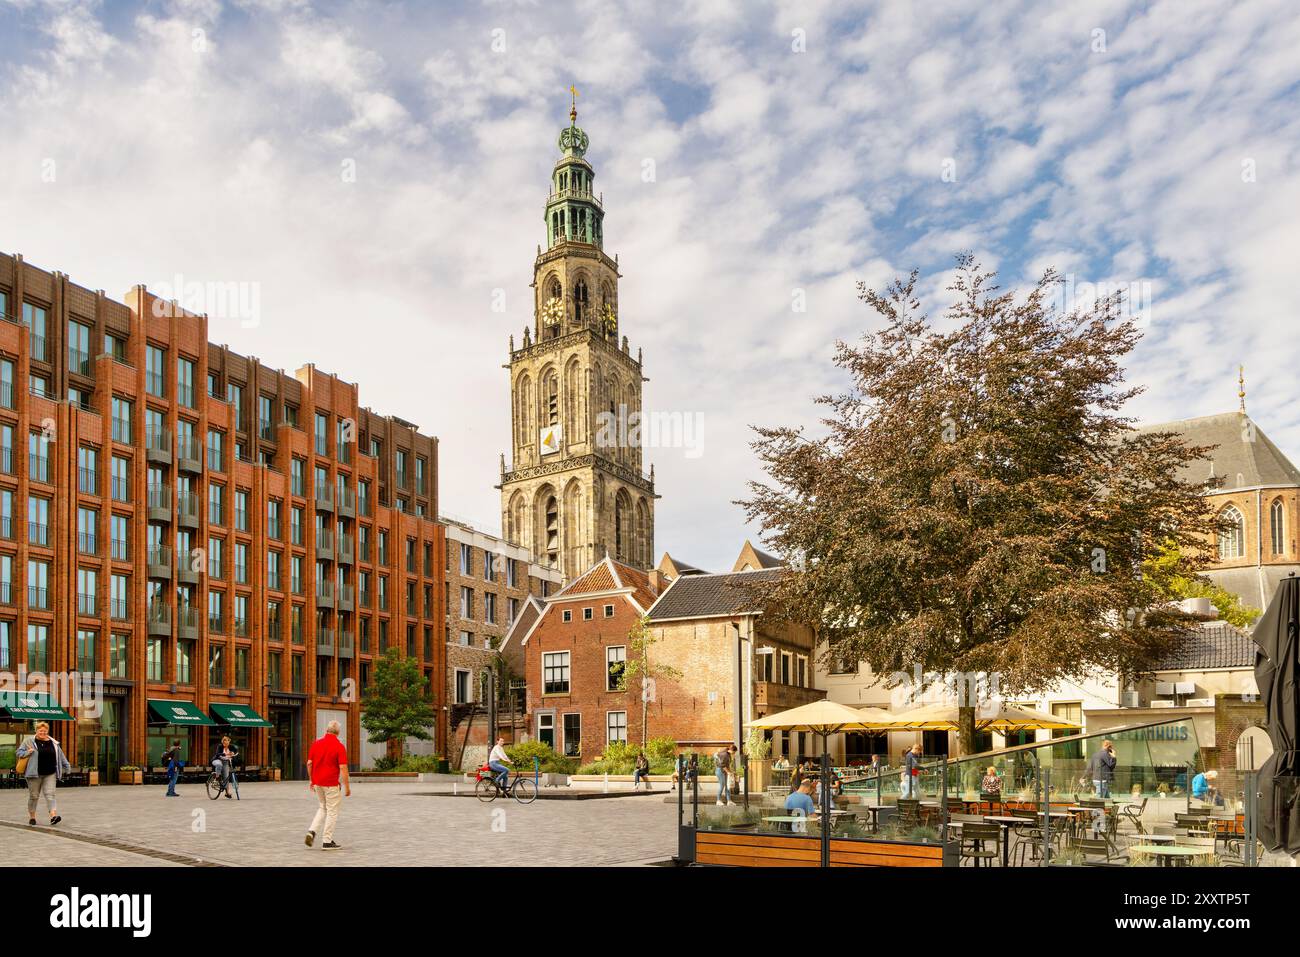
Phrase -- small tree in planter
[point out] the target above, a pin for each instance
(397, 704)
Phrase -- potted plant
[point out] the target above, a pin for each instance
(92, 777)
(275, 771)
(130, 774)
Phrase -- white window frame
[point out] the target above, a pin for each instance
(568, 667)
(469, 686)
(609, 611)
(608, 716)
(566, 615)
(608, 662)
(550, 717)
(564, 734)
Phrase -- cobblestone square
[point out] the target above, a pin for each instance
(382, 824)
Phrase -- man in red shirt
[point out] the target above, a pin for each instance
(327, 763)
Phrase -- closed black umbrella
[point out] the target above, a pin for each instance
(1277, 674)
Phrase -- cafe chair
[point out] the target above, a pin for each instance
(980, 842)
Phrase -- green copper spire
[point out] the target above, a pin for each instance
(573, 212)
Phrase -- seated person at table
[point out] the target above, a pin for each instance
(781, 764)
(1203, 788)
(801, 800)
(991, 783)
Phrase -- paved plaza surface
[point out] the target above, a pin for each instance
(382, 824)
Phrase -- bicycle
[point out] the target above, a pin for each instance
(215, 787)
(522, 789)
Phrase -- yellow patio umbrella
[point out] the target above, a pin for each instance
(825, 718)
(1002, 717)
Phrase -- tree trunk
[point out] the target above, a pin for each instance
(965, 730)
(395, 748)
(645, 716)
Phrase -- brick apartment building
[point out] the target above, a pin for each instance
(489, 582)
(203, 531)
(703, 625)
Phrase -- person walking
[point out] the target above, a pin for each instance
(43, 767)
(327, 766)
(912, 771)
(172, 761)
(1102, 769)
(722, 762)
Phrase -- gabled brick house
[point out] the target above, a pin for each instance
(708, 627)
(574, 656)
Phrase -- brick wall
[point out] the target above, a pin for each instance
(1233, 714)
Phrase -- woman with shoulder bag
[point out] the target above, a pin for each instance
(42, 763)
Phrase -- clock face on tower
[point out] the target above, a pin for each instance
(552, 312)
(610, 320)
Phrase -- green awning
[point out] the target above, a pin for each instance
(31, 705)
(238, 716)
(178, 712)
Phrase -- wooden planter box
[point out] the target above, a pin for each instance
(130, 777)
(275, 774)
(92, 778)
(791, 850)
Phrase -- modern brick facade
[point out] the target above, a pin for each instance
(197, 527)
(489, 580)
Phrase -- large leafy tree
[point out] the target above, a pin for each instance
(396, 705)
(977, 503)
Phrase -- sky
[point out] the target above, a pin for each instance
(376, 173)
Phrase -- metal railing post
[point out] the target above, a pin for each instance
(537, 772)
(826, 808)
(695, 797)
(1047, 820)
(745, 765)
(943, 799)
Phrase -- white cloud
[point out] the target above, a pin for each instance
(774, 171)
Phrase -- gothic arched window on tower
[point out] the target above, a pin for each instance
(622, 526)
(580, 297)
(552, 399)
(1277, 525)
(1232, 533)
(551, 533)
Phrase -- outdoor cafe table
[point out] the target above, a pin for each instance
(1168, 853)
(1007, 823)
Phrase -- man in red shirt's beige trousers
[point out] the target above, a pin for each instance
(327, 763)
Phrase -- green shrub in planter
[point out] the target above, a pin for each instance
(522, 755)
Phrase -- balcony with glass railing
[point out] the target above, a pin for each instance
(158, 563)
(189, 454)
(187, 509)
(158, 445)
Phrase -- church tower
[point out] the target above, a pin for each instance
(574, 491)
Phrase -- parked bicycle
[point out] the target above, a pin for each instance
(522, 789)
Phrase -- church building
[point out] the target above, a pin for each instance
(574, 491)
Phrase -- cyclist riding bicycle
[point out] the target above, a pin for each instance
(498, 762)
(223, 762)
